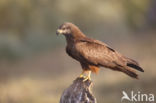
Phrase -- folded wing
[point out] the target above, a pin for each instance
(97, 53)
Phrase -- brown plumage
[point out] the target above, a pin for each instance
(93, 54)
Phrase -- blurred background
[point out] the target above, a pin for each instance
(34, 67)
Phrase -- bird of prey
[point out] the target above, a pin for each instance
(93, 54)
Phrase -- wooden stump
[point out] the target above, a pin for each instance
(78, 92)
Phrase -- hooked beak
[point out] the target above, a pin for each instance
(59, 31)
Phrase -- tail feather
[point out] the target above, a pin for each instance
(125, 69)
(134, 64)
(129, 72)
(135, 67)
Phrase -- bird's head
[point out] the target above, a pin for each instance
(69, 29)
(64, 29)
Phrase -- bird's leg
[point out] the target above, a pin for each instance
(88, 76)
(82, 74)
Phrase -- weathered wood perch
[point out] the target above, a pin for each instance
(78, 92)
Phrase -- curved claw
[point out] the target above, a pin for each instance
(87, 78)
(81, 76)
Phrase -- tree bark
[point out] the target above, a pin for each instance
(78, 92)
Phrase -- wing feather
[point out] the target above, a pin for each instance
(98, 53)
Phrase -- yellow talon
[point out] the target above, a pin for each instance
(81, 76)
(87, 77)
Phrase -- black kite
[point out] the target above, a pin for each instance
(93, 54)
